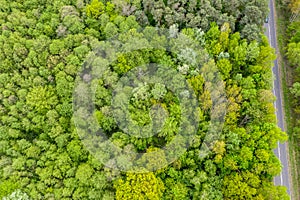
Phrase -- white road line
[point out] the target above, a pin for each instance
(276, 98)
(279, 159)
(270, 34)
(274, 92)
(279, 155)
(274, 78)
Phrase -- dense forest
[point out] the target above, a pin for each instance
(50, 53)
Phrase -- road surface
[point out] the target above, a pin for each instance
(282, 150)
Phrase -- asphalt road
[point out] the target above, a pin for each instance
(282, 150)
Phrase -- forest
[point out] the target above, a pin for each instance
(209, 89)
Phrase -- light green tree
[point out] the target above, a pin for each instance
(139, 186)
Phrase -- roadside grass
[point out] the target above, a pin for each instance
(292, 143)
(286, 82)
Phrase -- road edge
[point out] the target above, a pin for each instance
(281, 69)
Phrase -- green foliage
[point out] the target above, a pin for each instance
(274, 192)
(84, 173)
(43, 46)
(139, 186)
(95, 9)
(295, 90)
(17, 195)
(176, 190)
(7, 187)
(41, 99)
(293, 53)
(243, 16)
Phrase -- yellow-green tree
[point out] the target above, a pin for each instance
(139, 186)
(295, 6)
(95, 9)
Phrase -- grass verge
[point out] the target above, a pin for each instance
(286, 82)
